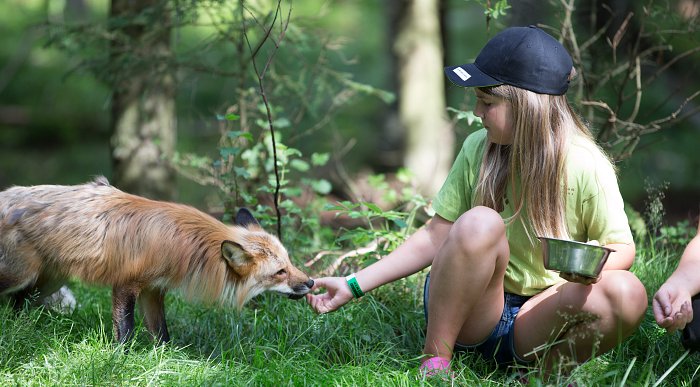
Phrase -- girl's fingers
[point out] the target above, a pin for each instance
(319, 283)
(666, 323)
(662, 303)
(687, 311)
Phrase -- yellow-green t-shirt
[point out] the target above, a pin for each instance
(594, 209)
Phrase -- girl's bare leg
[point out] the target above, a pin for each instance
(569, 323)
(466, 282)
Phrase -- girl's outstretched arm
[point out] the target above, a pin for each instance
(416, 253)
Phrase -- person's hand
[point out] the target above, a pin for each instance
(571, 277)
(337, 294)
(581, 279)
(672, 307)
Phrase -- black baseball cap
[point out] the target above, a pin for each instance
(524, 57)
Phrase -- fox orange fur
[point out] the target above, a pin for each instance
(140, 247)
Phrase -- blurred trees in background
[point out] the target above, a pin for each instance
(203, 54)
(417, 46)
(143, 116)
(353, 87)
(634, 91)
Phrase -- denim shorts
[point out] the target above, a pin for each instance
(499, 345)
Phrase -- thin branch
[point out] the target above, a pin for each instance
(596, 36)
(320, 255)
(674, 115)
(617, 38)
(567, 30)
(638, 93)
(633, 131)
(263, 94)
(267, 31)
(333, 267)
(670, 63)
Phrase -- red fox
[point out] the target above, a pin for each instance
(140, 247)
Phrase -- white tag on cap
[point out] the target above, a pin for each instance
(461, 73)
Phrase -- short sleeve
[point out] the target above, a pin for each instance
(455, 196)
(603, 210)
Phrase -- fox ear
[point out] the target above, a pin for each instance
(233, 253)
(245, 218)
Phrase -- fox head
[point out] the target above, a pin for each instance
(261, 262)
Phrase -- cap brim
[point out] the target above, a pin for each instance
(468, 75)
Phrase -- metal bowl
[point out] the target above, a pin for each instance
(574, 257)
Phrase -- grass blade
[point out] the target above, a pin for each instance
(623, 383)
(673, 366)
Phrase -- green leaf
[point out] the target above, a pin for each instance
(292, 152)
(272, 181)
(320, 159)
(404, 175)
(242, 172)
(227, 117)
(299, 165)
(281, 123)
(229, 151)
(400, 222)
(377, 181)
(293, 191)
(234, 134)
(384, 95)
(321, 186)
(374, 207)
(469, 116)
(335, 207)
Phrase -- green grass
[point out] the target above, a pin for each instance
(274, 341)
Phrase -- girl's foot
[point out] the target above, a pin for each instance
(435, 366)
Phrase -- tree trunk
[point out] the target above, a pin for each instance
(429, 137)
(143, 102)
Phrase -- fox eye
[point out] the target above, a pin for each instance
(281, 272)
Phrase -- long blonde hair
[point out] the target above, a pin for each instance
(533, 166)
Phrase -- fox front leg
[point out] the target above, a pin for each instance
(23, 298)
(152, 304)
(123, 303)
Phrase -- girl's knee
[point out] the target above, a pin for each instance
(626, 295)
(477, 237)
(477, 227)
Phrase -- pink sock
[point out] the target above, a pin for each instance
(434, 364)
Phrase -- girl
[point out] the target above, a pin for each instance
(533, 171)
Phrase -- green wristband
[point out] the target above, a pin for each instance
(354, 286)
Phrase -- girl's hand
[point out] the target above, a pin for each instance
(571, 277)
(672, 307)
(338, 294)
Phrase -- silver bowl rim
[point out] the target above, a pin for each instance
(577, 243)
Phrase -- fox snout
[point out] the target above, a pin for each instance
(301, 289)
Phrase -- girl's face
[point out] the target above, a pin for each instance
(495, 114)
